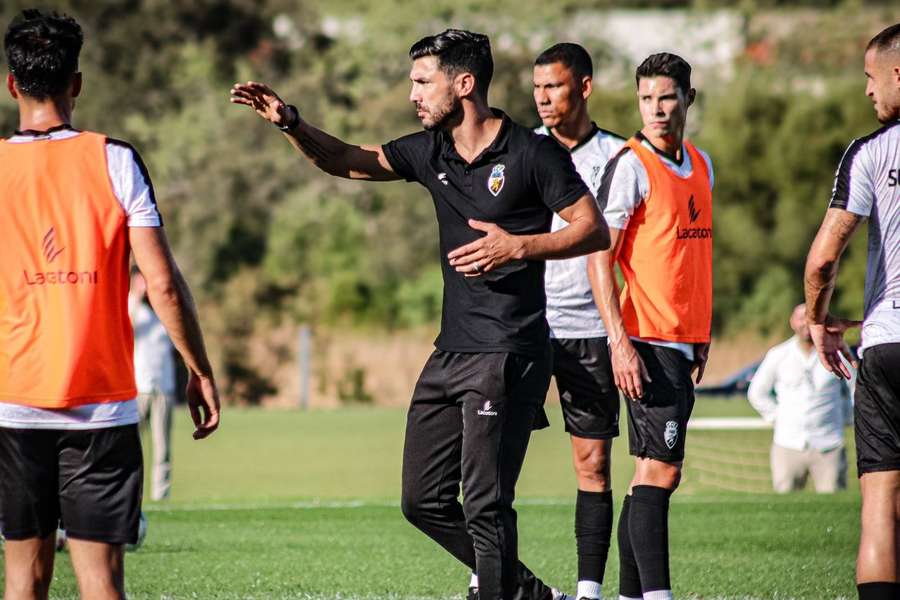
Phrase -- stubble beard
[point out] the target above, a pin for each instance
(449, 112)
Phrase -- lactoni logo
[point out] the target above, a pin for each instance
(49, 245)
(692, 210)
(50, 252)
(696, 233)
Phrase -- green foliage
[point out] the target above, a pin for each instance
(774, 153)
(264, 238)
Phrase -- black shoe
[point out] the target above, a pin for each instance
(472, 594)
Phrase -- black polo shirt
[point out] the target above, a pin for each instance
(516, 182)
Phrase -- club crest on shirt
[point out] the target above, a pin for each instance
(496, 179)
(671, 434)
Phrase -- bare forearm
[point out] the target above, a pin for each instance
(172, 301)
(580, 237)
(818, 284)
(822, 262)
(606, 294)
(322, 149)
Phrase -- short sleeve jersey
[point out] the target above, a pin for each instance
(517, 182)
(867, 184)
(134, 191)
(571, 311)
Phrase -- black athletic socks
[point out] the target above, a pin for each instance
(879, 590)
(629, 579)
(593, 530)
(648, 524)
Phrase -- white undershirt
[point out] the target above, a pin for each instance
(134, 192)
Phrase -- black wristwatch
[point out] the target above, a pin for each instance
(293, 122)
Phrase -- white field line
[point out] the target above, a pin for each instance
(345, 504)
(305, 596)
(730, 423)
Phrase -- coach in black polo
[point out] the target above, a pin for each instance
(494, 185)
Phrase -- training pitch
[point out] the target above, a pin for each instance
(305, 505)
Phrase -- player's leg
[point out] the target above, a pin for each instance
(789, 469)
(629, 576)
(501, 394)
(593, 513)
(432, 473)
(28, 568)
(878, 537)
(828, 470)
(659, 419)
(590, 405)
(432, 454)
(29, 511)
(877, 432)
(100, 486)
(161, 429)
(99, 569)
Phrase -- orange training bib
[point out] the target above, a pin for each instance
(65, 335)
(666, 254)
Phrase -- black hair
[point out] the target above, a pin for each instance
(888, 39)
(42, 51)
(572, 56)
(665, 64)
(459, 51)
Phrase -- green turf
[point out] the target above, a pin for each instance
(304, 505)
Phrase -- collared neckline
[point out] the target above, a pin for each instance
(497, 145)
(581, 143)
(670, 157)
(44, 132)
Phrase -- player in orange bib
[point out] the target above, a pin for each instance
(75, 204)
(658, 196)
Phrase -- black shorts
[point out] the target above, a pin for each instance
(89, 480)
(876, 410)
(657, 423)
(587, 389)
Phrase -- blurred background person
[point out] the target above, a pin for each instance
(809, 407)
(154, 372)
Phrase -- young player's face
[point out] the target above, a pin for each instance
(663, 106)
(883, 83)
(558, 94)
(432, 93)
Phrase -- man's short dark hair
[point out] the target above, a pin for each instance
(459, 51)
(665, 64)
(42, 51)
(887, 40)
(572, 56)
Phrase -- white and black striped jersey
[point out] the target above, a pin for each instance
(867, 183)
(571, 311)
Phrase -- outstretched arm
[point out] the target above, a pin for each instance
(325, 151)
(820, 276)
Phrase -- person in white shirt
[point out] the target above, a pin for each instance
(154, 373)
(809, 407)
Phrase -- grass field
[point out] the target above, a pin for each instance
(305, 505)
